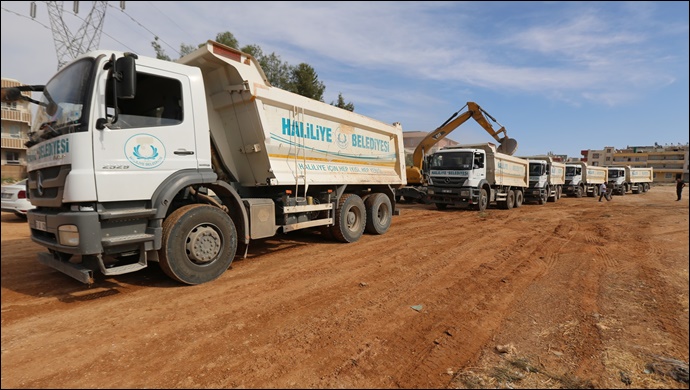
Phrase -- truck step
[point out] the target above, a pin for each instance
(128, 239)
(123, 269)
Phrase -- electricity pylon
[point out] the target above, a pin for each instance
(69, 45)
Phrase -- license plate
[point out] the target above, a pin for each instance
(447, 191)
(6, 195)
(40, 225)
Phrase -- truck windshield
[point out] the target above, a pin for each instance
(65, 98)
(571, 171)
(614, 174)
(459, 160)
(536, 169)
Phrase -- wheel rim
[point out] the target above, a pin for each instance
(354, 219)
(203, 244)
(382, 214)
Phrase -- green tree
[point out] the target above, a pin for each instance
(160, 53)
(186, 49)
(341, 103)
(305, 81)
(227, 39)
(301, 79)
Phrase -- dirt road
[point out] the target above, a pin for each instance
(572, 294)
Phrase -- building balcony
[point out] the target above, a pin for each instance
(17, 116)
(13, 143)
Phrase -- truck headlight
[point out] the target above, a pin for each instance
(464, 193)
(430, 192)
(68, 235)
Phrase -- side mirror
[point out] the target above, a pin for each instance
(127, 83)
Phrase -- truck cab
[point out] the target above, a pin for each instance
(574, 185)
(538, 181)
(618, 182)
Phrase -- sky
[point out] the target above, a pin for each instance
(561, 77)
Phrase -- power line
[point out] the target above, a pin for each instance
(152, 33)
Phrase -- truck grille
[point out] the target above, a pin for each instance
(448, 181)
(47, 185)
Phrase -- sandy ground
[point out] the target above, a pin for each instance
(572, 294)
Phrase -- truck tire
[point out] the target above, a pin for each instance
(483, 200)
(379, 213)
(543, 198)
(579, 191)
(510, 200)
(550, 198)
(350, 219)
(519, 198)
(559, 192)
(199, 243)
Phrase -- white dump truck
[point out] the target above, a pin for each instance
(581, 179)
(546, 179)
(135, 159)
(626, 178)
(475, 176)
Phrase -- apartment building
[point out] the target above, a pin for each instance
(668, 161)
(16, 124)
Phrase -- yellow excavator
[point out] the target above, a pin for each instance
(416, 181)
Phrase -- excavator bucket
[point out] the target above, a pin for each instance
(508, 146)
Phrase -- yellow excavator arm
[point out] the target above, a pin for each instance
(506, 145)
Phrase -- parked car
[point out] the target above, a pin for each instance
(14, 199)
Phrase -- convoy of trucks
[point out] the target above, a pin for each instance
(626, 178)
(134, 160)
(475, 176)
(582, 179)
(546, 179)
(417, 178)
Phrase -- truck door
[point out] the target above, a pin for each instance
(152, 138)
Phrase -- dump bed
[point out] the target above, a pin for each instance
(503, 169)
(595, 174)
(557, 174)
(639, 174)
(268, 136)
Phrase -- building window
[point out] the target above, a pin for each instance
(9, 105)
(669, 176)
(595, 155)
(12, 157)
(608, 158)
(15, 131)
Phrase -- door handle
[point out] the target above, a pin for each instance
(183, 152)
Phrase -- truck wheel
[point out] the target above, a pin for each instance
(510, 200)
(519, 198)
(199, 243)
(550, 198)
(543, 197)
(559, 192)
(350, 219)
(379, 213)
(483, 200)
(579, 191)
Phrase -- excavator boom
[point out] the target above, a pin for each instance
(506, 145)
